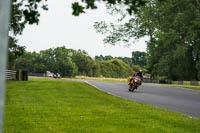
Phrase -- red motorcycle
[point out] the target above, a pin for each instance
(134, 83)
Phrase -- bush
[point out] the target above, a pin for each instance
(115, 68)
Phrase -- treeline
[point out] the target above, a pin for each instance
(174, 46)
(173, 26)
(69, 62)
(173, 50)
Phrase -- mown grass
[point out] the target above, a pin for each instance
(183, 86)
(103, 79)
(57, 106)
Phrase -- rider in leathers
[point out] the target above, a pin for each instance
(138, 74)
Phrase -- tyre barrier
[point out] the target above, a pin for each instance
(193, 83)
(22, 75)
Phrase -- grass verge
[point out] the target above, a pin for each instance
(103, 79)
(182, 86)
(57, 106)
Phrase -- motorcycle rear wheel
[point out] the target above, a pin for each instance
(134, 88)
(130, 88)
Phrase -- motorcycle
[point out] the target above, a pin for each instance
(134, 83)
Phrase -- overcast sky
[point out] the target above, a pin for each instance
(57, 27)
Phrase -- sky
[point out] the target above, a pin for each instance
(58, 27)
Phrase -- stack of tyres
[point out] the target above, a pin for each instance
(22, 75)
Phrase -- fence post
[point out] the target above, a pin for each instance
(4, 17)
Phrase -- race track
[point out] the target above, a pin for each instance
(182, 100)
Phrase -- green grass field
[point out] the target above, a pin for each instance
(182, 86)
(103, 79)
(58, 106)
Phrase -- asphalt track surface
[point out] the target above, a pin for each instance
(185, 101)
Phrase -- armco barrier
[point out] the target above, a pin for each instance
(148, 80)
(155, 81)
(37, 74)
(16, 75)
(180, 82)
(10, 75)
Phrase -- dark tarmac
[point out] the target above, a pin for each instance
(185, 101)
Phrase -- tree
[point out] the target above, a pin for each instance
(55, 60)
(172, 26)
(172, 52)
(69, 62)
(14, 52)
(115, 68)
(32, 62)
(131, 5)
(126, 60)
(139, 58)
(27, 12)
(65, 66)
(101, 57)
(83, 62)
(22, 13)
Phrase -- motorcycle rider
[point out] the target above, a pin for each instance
(137, 74)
